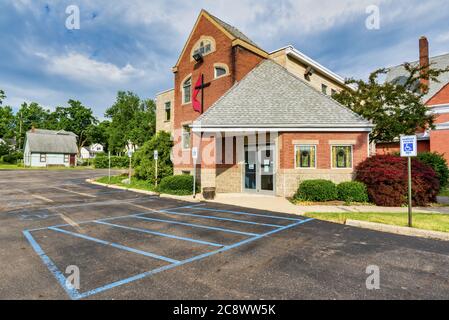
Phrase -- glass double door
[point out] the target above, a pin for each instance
(259, 173)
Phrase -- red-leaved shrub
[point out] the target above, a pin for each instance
(385, 176)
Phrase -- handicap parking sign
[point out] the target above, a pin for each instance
(409, 146)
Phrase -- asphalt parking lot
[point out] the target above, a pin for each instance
(133, 246)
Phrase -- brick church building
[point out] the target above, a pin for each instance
(260, 121)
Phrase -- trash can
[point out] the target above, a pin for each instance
(209, 193)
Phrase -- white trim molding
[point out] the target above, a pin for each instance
(196, 128)
(439, 109)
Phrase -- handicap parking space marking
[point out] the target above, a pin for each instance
(246, 213)
(219, 218)
(115, 245)
(160, 234)
(75, 295)
(194, 225)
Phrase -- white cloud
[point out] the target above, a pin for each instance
(78, 67)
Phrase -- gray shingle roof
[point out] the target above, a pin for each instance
(439, 62)
(234, 31)
(272, 97)
(48, 141)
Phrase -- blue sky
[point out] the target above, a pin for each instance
(132, 45)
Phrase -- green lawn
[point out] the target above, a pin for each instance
(427, 221)
(135, 183)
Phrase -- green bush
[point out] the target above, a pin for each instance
(12, 158)
(144, 163)
(352, 191)
(438, 163)
(317, 190)
(181, 185)
(102, 162)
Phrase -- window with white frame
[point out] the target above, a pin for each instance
(220, 71)
(342, 157)
(186, 135)
(66, 158)
(187, 91)
(204, 47)
(305, 156)
(43, 157)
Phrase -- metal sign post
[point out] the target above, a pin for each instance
(194, 157)
(409, 149)
(156, 157)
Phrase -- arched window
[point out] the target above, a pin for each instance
(187, 91)
(204, 46)
(220, 70)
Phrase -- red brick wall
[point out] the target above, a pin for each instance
(360, 150)
(441, 118)
(239, 65)
(394, 147)
(441, 97)
(439, 142)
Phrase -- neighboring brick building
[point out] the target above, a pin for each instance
(261, 122)
(437, 99)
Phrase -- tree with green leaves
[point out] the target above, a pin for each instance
(75, 118)
(6, 122)
(132, 120)
(394, 108)
(28, 116)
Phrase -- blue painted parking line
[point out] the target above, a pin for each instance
(220, 218)
(195, 225)
(160, 234)
(72, 292)
(115, 245)
(197, 258)
(248, 214)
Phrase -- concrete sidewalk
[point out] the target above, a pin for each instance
(279, 204)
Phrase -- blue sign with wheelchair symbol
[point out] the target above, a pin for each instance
(408, 147)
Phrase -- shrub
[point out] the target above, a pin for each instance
(438, 164)
(102, 162)
(12, 158)
(317, 190)
(178, 185)
(352, 191)
(385, 177)
(143, 161)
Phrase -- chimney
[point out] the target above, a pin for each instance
(424, 62)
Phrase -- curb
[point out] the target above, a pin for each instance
(405, 231)
(110, 186)
(150, 193)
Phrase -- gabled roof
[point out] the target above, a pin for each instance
(49, 141)
(236, 36)
(438, 62)
(272, 97)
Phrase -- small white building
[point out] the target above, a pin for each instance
(45, 148)
(92, 151)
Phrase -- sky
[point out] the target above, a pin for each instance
(132, 45)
